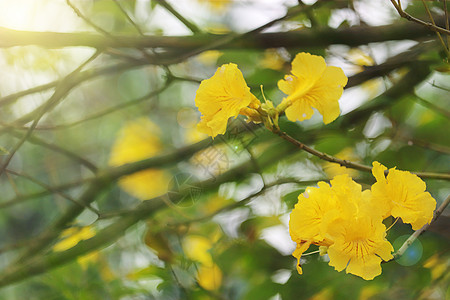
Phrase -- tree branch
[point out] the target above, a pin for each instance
(30, 264)
(309, 38)
(418, 232)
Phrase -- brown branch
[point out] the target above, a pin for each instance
(428, 25)
(192, 27)
(347, 163)
(309, 38)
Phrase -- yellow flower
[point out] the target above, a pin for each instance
(359, 245)
(272, 60)
(339, 216)
(217, 5)
(306, 217)
(136, 141)
(72, 236)
(333, 169)
(223, 96)
(209, 277)
(197, 248)
(312, 84)
(402, 195)
(210, 57)
(318, 207)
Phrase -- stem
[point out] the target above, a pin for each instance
(417, 233)
(347, 163)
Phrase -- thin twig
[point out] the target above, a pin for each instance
(347, 163)
(87, 20)
(432, 106)
(192, 27)
(407, 16)
(107, 111)
(60, 92)
(417, 233)
(124, 12)
(437, 33)
(52, 190)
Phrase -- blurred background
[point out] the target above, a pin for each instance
(114, 82)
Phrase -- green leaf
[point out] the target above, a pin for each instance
(292, 198)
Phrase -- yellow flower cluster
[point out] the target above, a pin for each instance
(312, 84)
(347, 221)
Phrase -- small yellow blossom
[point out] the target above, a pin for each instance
(272, 60)
(209, 277)
(197, 248)
(193, 135)
(359, 245)
(218, 6)
(333, 169)
(312, 84)
(210, 57)
(72, 236)
(136, 141)
(221, 97)
(402, 195)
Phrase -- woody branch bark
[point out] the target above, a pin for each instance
(310, 38)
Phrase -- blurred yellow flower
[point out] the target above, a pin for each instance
(361, 60)
(210, 57)
(437, 265)
(197, 248)
(138, 140)
(333, 169)
(88, 259)
(217, 5)
(312, 84)
(209, 277)
(272, 60)
(325, 294)
(72, 236)
(193, 135)
(221, 97)
(359, 245)
(403, 195)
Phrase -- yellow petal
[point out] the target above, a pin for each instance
(367, 268)
(338, 260)
(72, 236)
(359, 245)
(405, 194)
(312, 84)
(326, 93)
(138, 140)
(299, 250)
(308, 67)
(209, 277)
(197, 248)
(378, 171)
(221, 97)
(299, 110)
